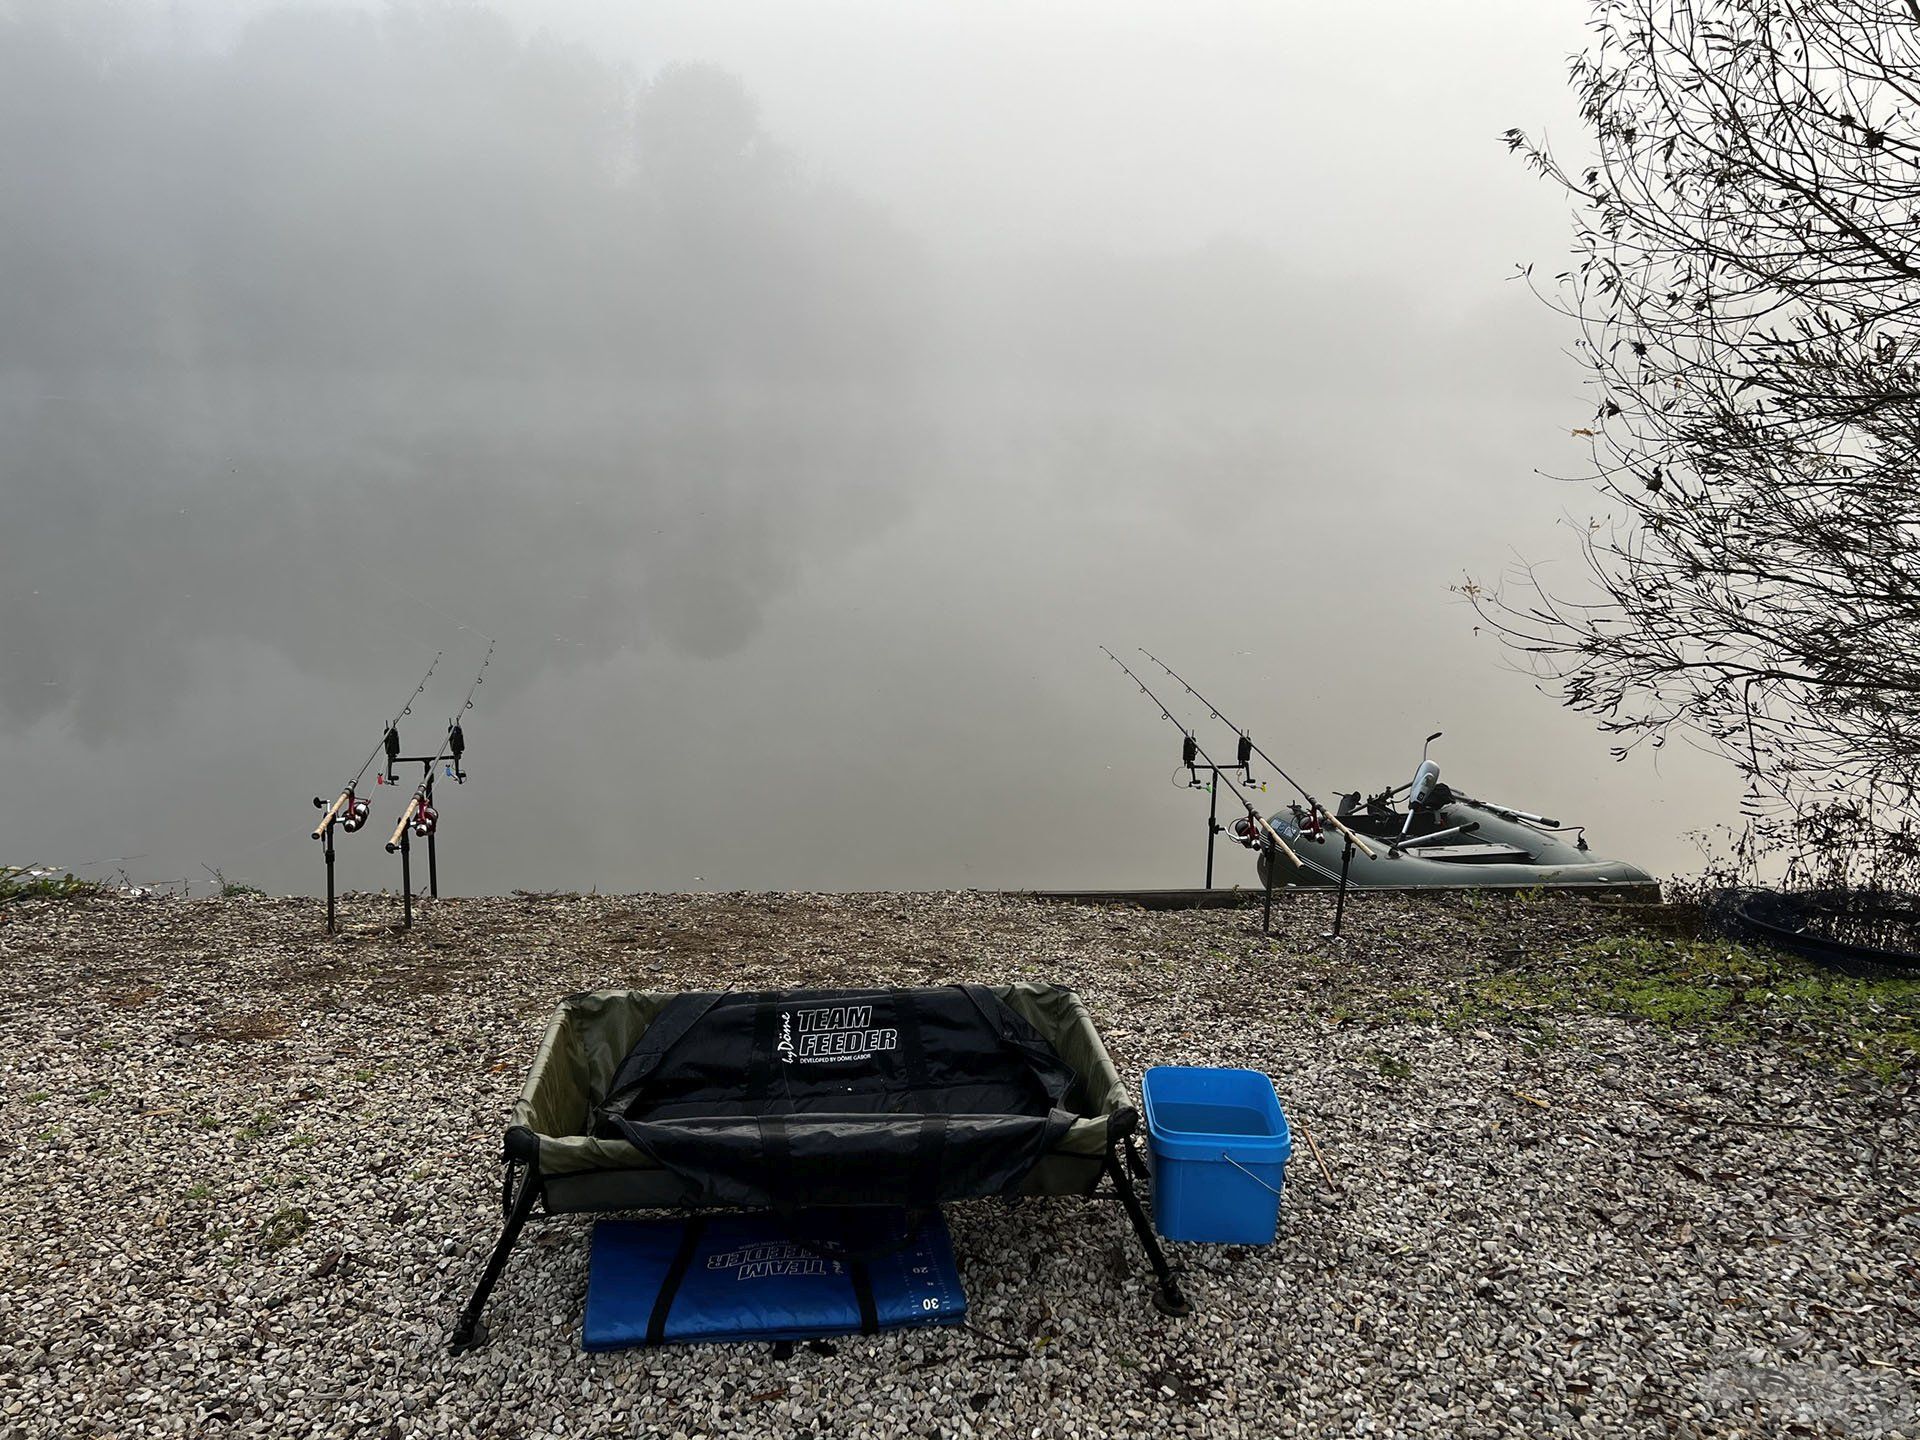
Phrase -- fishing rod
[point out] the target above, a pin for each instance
(419, 812)
(356, 815)
(1316, 813)
(418, 816)
(348, 811)
(1192, 755)
(1247, 744)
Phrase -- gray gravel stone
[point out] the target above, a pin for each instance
(251, 1177)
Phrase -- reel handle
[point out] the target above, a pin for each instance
(333, 812)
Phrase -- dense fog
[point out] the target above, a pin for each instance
(797, 396)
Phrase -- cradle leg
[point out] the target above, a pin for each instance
(1167, 1298)
(469, 1333)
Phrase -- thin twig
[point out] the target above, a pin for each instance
(1692, 1114)
(1314, 1145)
(1008, 1350)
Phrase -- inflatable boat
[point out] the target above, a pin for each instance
(1438, 837)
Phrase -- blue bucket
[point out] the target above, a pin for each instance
(1218, 1147)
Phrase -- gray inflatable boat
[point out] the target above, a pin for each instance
(1440, 838)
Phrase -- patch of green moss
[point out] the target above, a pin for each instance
(1732, 993)
(1392, 1066)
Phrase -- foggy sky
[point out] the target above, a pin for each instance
(798, 394)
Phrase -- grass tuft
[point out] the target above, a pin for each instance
(285, 1227)
(1392, 1066)
(28, 882)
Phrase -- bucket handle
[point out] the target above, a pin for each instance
(1251, 1176)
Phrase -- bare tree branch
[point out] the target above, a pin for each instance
(1745, 277)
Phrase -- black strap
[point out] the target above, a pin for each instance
(989, 1006)
(1056, 1125)
(676, 1272)
(863, 1292)
(913, 1052)
(776, 1153)
(923, 1185)
(760, 1058)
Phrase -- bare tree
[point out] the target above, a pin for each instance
(1746, 277)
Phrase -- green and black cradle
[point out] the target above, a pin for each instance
(792, 1100)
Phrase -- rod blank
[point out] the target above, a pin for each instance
(406, 819)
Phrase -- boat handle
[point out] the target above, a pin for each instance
(1417, 841)
(1251, 1176)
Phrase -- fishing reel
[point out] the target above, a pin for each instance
(426, 820)
(1246, 831)
(349, 812)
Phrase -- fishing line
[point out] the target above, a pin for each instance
(1246, 740)
(407, 594)
(356, 810)
(1190, 745)
(1247, 746)
(567, 642)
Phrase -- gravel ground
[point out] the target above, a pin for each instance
(250, 1177)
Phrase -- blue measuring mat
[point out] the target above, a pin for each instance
(749, 1276)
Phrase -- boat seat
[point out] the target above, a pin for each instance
(1471, 854)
